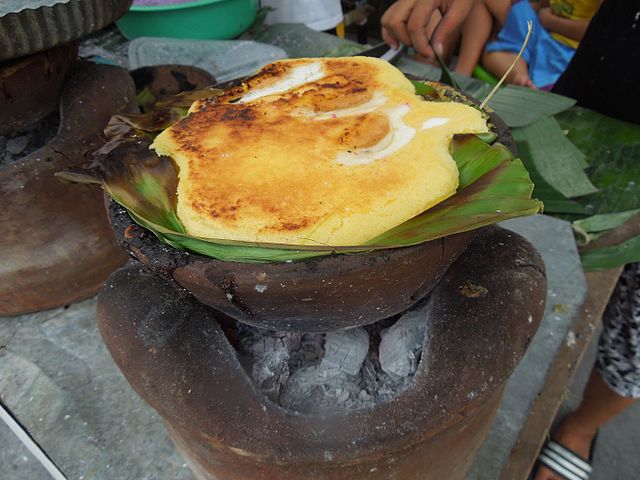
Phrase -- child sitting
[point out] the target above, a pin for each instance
(558, 27)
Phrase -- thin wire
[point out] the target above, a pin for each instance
(31, 445)
(524, 45)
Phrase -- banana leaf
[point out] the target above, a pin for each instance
(611, 257)
(521, 106)
(556, 159)
(554, 201)
(603, 222)
(493, 186)
(612, 149)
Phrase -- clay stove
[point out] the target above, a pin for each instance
(56, 244)
(381, 365)
(408, 394)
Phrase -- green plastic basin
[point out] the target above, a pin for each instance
(202, 19)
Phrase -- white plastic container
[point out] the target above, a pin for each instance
(315, 14)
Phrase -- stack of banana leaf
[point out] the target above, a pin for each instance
(585, 167)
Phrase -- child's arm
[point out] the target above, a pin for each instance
(570, 28)
(538, 4)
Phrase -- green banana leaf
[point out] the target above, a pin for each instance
(612, 152)
(612, 149)
(493, 186)
(611, 257)
(554, 201)
(596, 225)
(558, 161)
(521, 106)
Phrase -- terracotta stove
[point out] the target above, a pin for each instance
(385, 365)
(382, 365)
(56, 244)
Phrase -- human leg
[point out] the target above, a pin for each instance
(476, 31)
(499, 62)
(614, 384)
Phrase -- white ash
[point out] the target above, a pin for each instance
(16, 145)
(266, 355)
(338, 370)
(270, 372)
(328, 383)
(345, 350)
(401, 344)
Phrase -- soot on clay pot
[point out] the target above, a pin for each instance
(477, 323)
(316, 295)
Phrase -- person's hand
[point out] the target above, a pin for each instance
(405, 23)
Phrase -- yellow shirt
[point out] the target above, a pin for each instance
(575, 10)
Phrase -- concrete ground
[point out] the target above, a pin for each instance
(617, 453)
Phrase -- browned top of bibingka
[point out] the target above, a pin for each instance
(314, 151)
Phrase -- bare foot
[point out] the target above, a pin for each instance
(571, 434)
(521, 79)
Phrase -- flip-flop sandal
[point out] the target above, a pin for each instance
(565, 462)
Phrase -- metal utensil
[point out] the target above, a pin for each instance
(383, 52)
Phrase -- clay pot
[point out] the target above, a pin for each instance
(56, 243)
(44, 25)
(316, 295)
(482, 315)
(45, 73)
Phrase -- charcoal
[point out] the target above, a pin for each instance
(346, 350)
(342, 370)
(17, 145)
(401, 344)
(266, 355)
(314, 389)
(271, 372)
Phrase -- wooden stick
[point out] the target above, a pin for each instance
(524, 45)
(31, 445)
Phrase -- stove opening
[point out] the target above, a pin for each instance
(342, 370)
(19, 144)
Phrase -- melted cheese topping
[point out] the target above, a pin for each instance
(328, 151)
